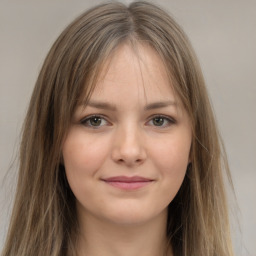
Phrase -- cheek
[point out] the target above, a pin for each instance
(172, 152)
(83, 155)
(171, 158)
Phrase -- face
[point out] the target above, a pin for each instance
(127, 151)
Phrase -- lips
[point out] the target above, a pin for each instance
(128, 183)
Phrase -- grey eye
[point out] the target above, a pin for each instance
(158, 121)
(95, 121)
(161, 121)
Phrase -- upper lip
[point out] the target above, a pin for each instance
(127, 179)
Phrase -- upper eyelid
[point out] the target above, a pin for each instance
(150, 117)
(170, 122)
(93, 115)
(87, 118)
(163, 116)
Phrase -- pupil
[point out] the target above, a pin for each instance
(95, 121)
(158, 121)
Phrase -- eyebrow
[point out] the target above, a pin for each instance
(160, 104)
(109, 106)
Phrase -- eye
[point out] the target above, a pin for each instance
(94, 121)
(161, 121)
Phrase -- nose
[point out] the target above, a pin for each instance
(129, 147)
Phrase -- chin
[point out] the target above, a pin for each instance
(133, 216)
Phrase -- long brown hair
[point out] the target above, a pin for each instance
(44, 215)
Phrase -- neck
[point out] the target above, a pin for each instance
(99, 237)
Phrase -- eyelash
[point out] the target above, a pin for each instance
(87, 119)
(170, 121)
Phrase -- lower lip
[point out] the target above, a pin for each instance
(128, 185)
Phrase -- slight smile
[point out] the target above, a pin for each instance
(128, 183)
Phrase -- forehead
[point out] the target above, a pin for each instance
(135, 72)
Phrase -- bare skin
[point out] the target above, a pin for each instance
(134, 126)
(116, 240)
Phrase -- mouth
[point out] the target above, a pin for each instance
(128, 183)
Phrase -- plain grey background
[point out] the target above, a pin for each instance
(223, 33)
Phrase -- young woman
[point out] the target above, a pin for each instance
(120, 153)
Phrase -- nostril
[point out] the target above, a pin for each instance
(129, 161)
(128, 152)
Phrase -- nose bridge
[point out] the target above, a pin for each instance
(129, 146)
